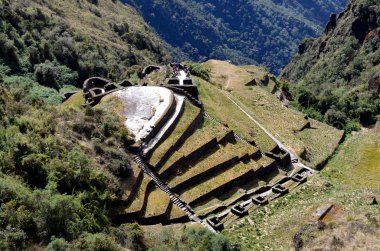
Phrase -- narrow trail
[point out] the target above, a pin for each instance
(174, 198)
(295, 159)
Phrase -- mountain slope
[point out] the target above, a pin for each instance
(73, 40)
(336, 74)
(263, 32)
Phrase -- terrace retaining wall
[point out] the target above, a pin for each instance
(187, 133)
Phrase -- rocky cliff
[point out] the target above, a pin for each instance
(339, 68)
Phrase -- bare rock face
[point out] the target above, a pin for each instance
(305, 45)
(265, 80)
(365, 21)
(331, 24)
(374, 84)
(370, 199)
(252, 83)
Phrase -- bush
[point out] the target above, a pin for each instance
(58, 244)
(352, 125)
(49, 75)
(202, 239)
(199, 70)
(46, 74)
(336, 118)
(96, 242)
(130, 236)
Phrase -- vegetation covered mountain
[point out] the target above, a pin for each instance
(66, 172)
(245, 32)
(336, 76)
(61, 43)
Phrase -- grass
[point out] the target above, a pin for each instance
(188, 116)
(223, 109)
(128, 184)
(227, 76)
(158, 202)
(284, 123)
(321, 140)
(343, 183)
(358, 162)
(75, 101)
(220, 179)
(206, 132)
(138, 201)
(221, 155)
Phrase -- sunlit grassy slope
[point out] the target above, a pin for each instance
(314, 144)
(351, 176)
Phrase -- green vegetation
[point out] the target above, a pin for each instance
(58, 44)
(189, 238)
(313, 143)
(345, 182)
(245, 32)
(199, 70)
(189, 114)
(329, 77)
(53, 181)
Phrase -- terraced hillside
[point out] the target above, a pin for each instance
(213, 163)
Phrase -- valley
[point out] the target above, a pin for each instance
(108, 143)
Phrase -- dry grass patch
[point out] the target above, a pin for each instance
(158, 202)
(222, 178)
(321, 141)
(221, 155)
(204, 134)
(138, 201)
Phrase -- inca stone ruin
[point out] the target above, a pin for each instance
(188, 165)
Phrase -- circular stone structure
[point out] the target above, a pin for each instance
(145, 108)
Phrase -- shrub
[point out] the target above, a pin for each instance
(66, 51)
(202, 239)
(336, 118)
(96, 242)
(199, 70)
(8, 51)
(49, 75)
(58, 244)
(352, 125)
(66, 76)
(130, 236)
(46, 74)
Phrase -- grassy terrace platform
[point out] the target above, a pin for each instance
(138, 201)
(223, 154)
(208, 131)
(218, 180)
(188, 116)
(129, 184)
(314, 144)
(157, 205)
(322, 140)
(223, 109)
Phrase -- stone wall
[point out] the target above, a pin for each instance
(186, 134)
(192, 157)
(207, 174)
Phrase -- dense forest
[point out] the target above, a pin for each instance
(335, 78)
(245, 32)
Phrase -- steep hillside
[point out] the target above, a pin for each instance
(245, 32)
(61, 43)
(336, 76)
